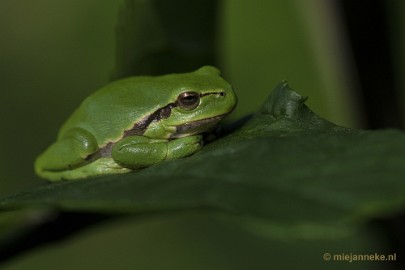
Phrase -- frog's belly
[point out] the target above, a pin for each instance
(101, 166)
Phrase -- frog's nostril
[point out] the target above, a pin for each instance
(222, 94)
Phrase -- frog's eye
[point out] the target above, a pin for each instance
(188, 100)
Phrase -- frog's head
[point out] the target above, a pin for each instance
(199, 100)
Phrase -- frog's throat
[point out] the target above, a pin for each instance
(140, 127)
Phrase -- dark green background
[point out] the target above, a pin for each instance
(54, 53)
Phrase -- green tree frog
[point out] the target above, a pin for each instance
(136, 122)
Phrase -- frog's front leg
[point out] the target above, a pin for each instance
(137, 152)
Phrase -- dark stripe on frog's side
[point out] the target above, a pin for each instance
(139, 129)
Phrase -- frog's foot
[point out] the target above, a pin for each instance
(137, 152)
(183, 147)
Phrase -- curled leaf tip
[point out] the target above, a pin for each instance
(283, 102)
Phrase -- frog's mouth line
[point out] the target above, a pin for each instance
(197, 126)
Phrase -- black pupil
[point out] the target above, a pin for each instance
(190, 99)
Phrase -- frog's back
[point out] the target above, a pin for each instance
(117, 107)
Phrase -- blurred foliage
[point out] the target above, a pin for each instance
(54, 53)
(394, 12)
(265, 42)
(150, 41)
(198, 240)
(371, 39)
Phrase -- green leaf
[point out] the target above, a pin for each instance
(285, 168)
